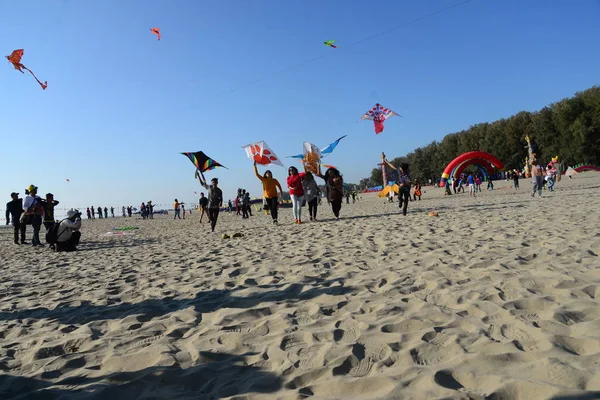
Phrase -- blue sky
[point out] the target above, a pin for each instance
(120, 106)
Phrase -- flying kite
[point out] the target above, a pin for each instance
(15, 60)
(262, 154)
(330, 43)
(311, 157)
(156, 31)
(378, 114)
(203, 163)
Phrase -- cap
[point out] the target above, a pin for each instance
(49, 194)
(14, 194)
(214, 180)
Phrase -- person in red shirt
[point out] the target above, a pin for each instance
(294, 182)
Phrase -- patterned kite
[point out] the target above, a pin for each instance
(202, 162)
(330, 43)
(262, 154)
(324, 151)
(156, 31)
(15, 60)
(378, 115)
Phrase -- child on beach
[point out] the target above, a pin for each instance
(311, 194)
(417, 192)
(515, 177)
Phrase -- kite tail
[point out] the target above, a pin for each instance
(43, 85)
(378, 127)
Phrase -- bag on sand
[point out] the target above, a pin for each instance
(52, 234)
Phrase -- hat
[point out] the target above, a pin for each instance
(71, 213)
(31, 188)
(14, 194)
(214, 180)
(49, 194)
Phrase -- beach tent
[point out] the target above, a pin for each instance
(570, 171)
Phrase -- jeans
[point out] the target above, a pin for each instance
(550, 184)
(177, 214)
(312, 208)
(213, 214)
(538, 183)
(17, 228)
(297, 206)
(36, 224)
(272, 207)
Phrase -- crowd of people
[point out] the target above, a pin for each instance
(61, 235)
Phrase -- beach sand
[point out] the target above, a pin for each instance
(497, 298)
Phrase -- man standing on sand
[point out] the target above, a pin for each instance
(14, 209)
(215, 201)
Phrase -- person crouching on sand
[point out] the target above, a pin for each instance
(270, 186)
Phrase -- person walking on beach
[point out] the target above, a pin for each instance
(183, 209)
(112, 212)
(311, 194)
(93, 210)
(215, 201)
(537, 179)
(14, 209)
(49, 205)
(294, 183)
(123, 211)
(203, 203)
(335, 189)
(89, 213)
(176, 209)
(245, 205)
(105, 212)
(471, 183)
(270, 186)
(490, 184)
(515, 176)
(99, 212)
(150, 208)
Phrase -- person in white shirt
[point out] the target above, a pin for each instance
(68, 234)
(33, 212)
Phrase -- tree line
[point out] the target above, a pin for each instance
(569, 129)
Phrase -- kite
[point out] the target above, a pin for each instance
(15, 60)
(330, 43)
(68, 180)
(202, 162)
(324, 151)
(156, 31)
(261, 154)
(378, 115)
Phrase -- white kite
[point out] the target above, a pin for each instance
(262, 154)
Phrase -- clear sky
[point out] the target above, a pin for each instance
(120, 106)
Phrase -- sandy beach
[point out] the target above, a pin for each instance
(496, 298)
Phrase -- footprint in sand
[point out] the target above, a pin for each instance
(431, 354)
(347, 331)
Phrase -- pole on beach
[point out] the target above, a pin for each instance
(383, 170)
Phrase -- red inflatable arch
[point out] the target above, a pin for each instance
(479, 158)
(582, 168)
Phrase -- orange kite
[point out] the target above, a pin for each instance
(15, 60)
(156, 31)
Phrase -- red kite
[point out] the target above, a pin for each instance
(156, 31)
(15, 60)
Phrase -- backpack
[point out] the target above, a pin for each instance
(52, 234)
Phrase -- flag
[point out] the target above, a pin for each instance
(262, 154)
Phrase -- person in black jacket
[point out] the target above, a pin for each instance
(14, 209)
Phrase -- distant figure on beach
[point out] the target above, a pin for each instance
(490, 184)
(417, 191)
(354, 194)
(105, 212)
(176, 209)
(99, 212)
(550, 176)
(471, 183)
(537, 179)
(245, 205)
(270, 195)
(93, 212)
(183, 210)
(515, 177)
(311, 194)
(123, 211)
(347, 197)
(49, 205)
(143, 210)
(238, 202)
(150, 209)
(477, 184)
(203, 203)
(14, 209)
(129, 211)
(215, 201)
(335, 189)
(403, 183)
(112, 212)
(294, 183)
(89, 213)
(229, 206)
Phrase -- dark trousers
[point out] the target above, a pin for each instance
(36, 223)
(272, 207)
(71, 244)
(403, 196)
(48, 225)
(312, 208)
(336, 206)
(17, 228)
(213, 214)
(245, 211)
